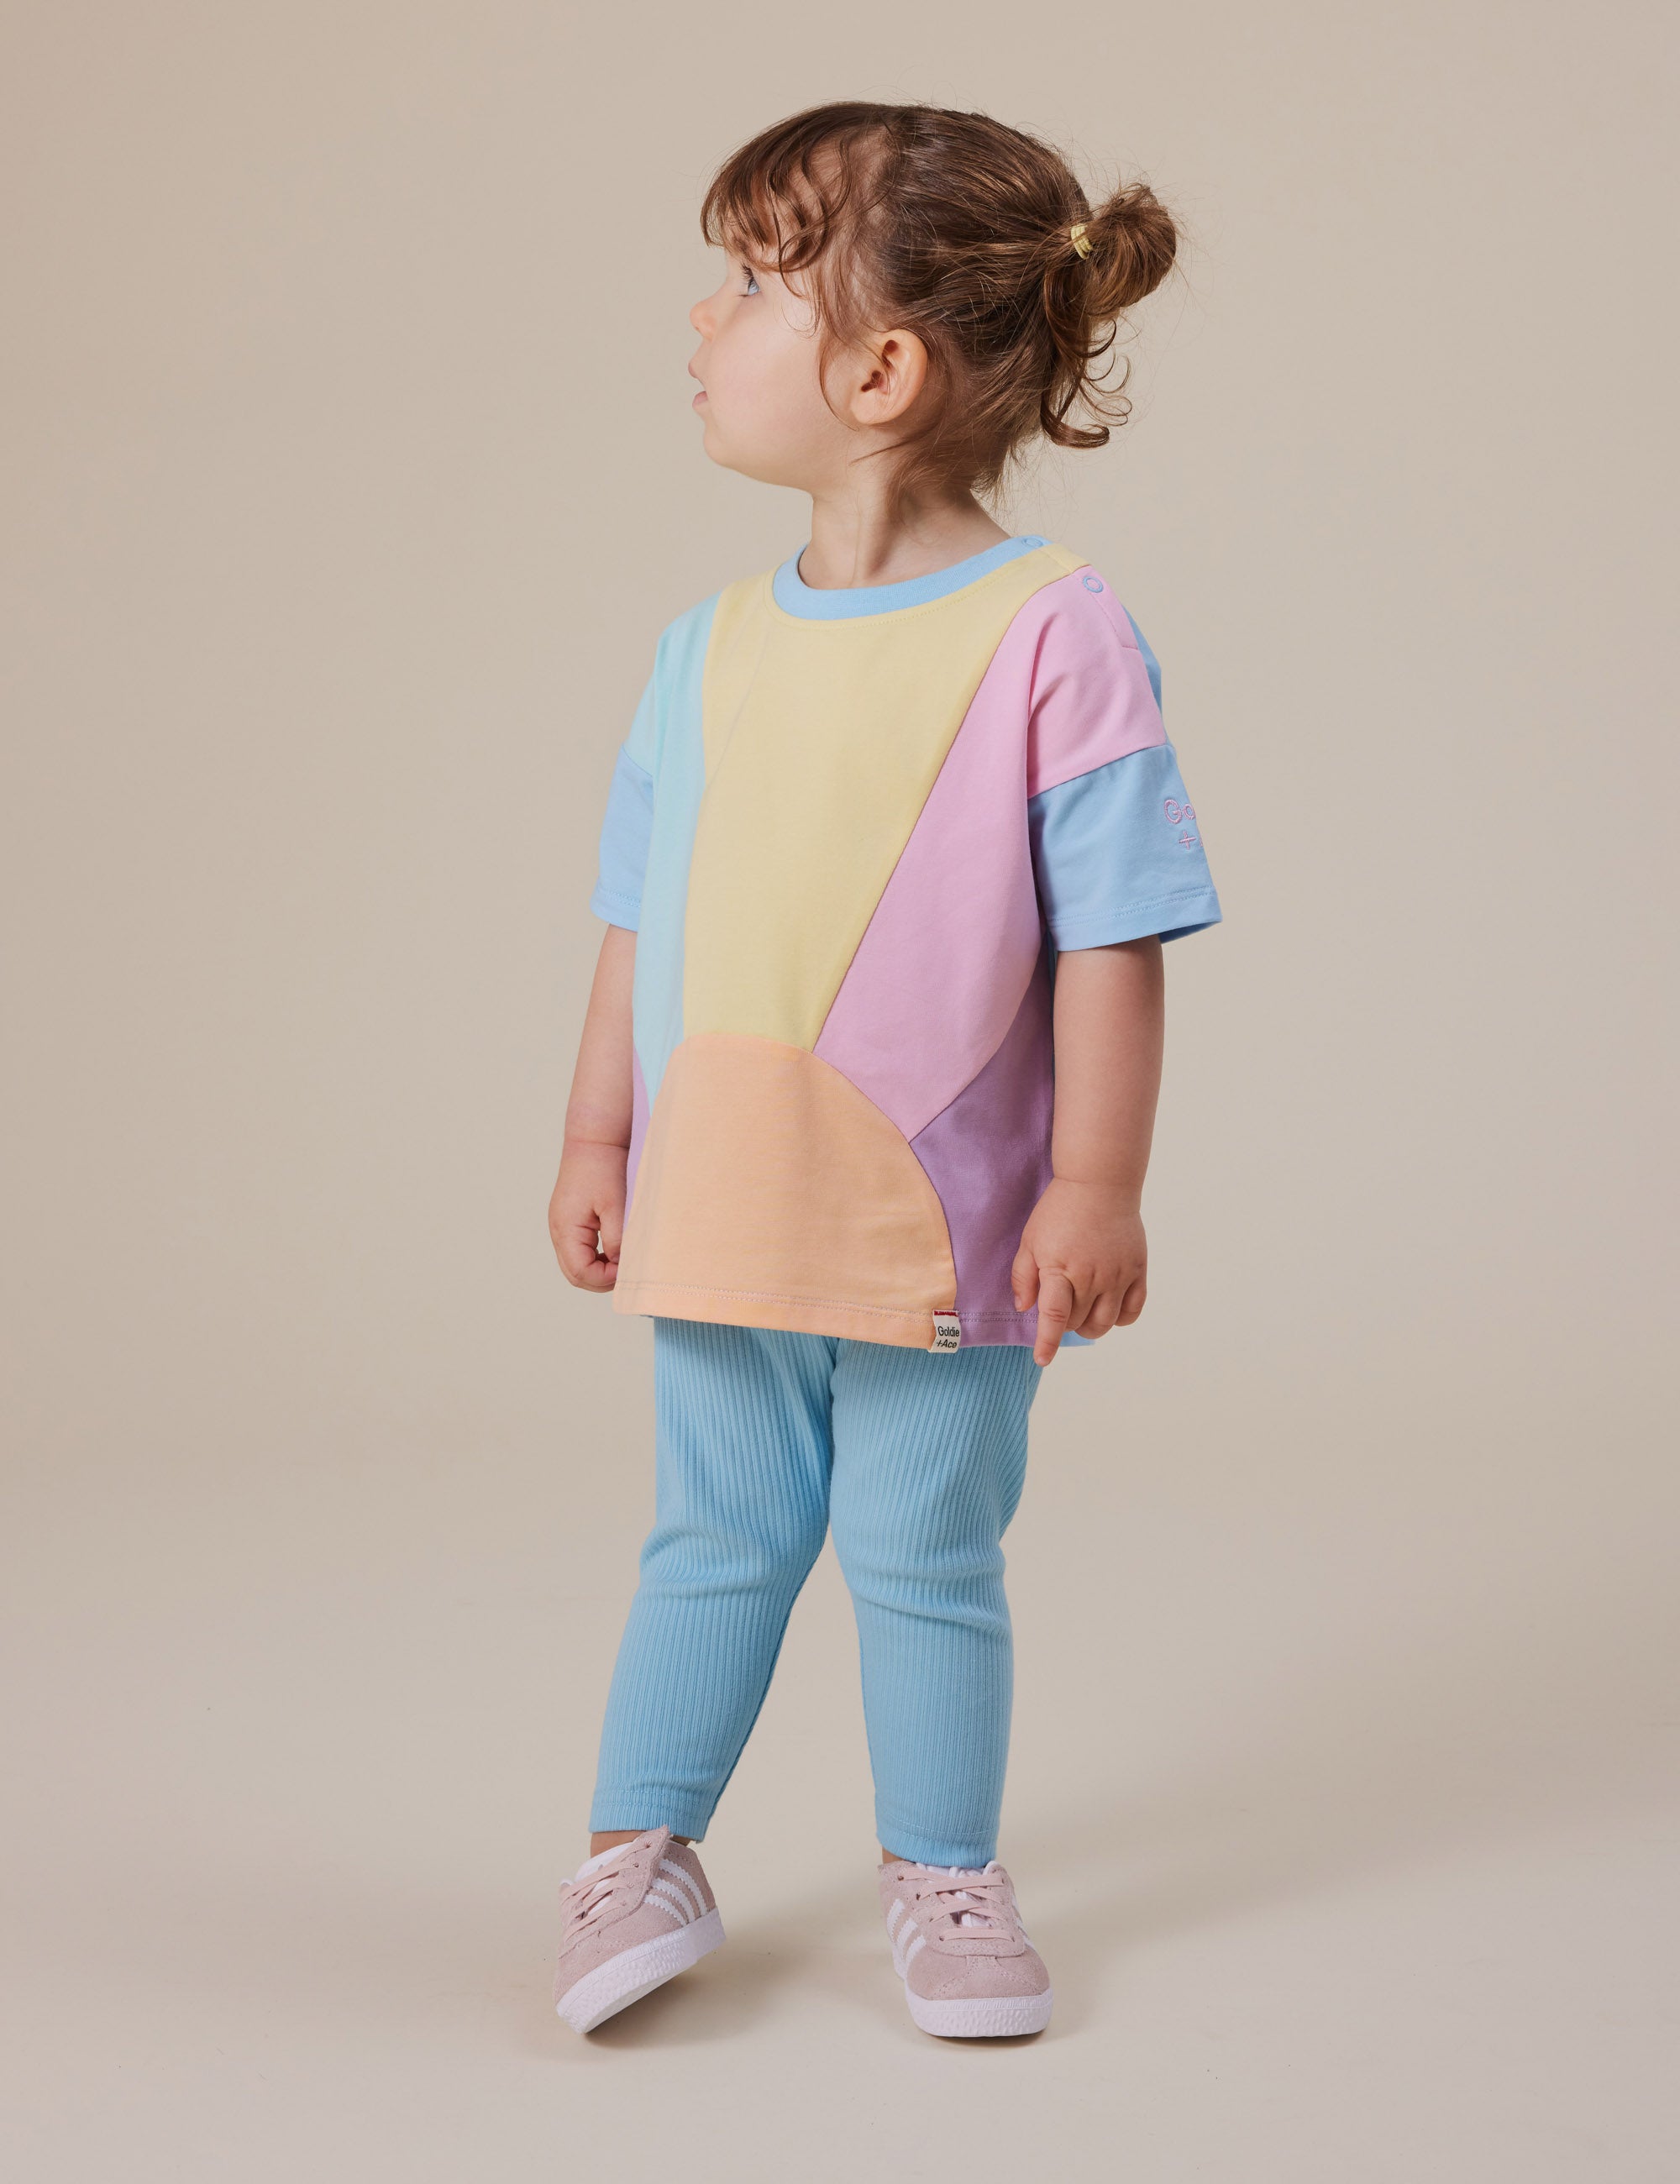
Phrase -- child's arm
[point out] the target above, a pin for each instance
(1083, 1256)
(588, 1200)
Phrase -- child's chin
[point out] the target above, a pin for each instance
(763, 468)
(738, 460)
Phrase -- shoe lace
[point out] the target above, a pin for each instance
(582, 1902)
(972, 1898)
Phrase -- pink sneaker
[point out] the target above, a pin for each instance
(633, 1918)
(970, 1972)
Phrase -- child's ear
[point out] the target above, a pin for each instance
(892, 372)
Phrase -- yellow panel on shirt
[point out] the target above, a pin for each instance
(822, 741)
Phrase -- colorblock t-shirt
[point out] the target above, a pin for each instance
(852, 830)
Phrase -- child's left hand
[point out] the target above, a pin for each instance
(1083, 1260)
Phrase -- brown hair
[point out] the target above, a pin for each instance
(960, 230)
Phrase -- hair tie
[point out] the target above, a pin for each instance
(1078, 236)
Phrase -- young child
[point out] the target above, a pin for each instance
(894, 840)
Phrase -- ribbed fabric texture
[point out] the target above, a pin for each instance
(764, 1439)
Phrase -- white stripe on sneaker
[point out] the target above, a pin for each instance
(663, 1892)
(670, 1865)
(671, 1910)
(895, 1912)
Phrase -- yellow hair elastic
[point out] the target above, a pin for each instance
(1078, 236)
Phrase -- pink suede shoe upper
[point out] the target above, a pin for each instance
(652, 1887)
(956, 1933)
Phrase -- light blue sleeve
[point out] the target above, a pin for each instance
(1117, 853)
(628, 825)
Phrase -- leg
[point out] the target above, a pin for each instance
(930, 1452)
(742, 1470)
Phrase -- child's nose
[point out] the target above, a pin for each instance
(700, 317)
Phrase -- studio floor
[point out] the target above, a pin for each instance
(1342, 1838)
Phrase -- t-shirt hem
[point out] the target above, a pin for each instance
(837, 1316)
(1173, 916)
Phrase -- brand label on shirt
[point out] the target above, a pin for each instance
(948, 1331)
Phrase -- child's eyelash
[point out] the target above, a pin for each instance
(752, 287)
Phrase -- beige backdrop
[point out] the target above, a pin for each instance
(351, 476)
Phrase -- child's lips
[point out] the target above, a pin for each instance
(698, 399)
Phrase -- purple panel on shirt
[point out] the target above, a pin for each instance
(988, 1156)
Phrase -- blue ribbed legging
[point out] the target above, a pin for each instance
(764, 1439)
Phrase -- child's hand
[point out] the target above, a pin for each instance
(588, 1201)
(1082, 1260)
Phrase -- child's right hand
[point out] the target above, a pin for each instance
(588, 1203)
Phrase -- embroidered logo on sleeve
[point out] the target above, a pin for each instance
(1182, 817)
(948, 1331)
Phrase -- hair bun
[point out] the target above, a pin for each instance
(1098, 267)
(1133, 243)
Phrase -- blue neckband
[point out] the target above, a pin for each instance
(794, 596)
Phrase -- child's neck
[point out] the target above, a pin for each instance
(858, 539)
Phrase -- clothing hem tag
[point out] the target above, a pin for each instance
(948, 1331)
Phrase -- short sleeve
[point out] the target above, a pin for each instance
(627, 826)
(1118, 855)
(1117, 850)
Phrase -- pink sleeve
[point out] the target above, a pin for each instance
(1090, 700)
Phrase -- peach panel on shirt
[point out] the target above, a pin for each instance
(734, 1220)
(940, 971)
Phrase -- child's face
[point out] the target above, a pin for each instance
(761, 396)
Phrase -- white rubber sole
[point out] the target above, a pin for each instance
(625, 1978)
(982, 2017)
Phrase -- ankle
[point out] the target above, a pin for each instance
(892, 1857)
(612, 1838)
